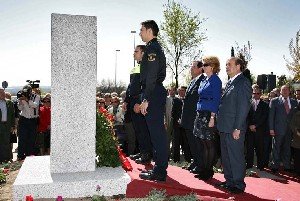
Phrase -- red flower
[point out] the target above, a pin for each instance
(102, 110)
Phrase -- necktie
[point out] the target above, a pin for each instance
(191, 84)
(286, 106)
(227, 85)
(255, 105)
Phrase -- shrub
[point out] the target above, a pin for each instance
(106, 143)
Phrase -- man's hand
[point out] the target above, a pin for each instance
(252, 128)
(236, 134)
(144, 107)
(137, 108)
(124, 106)
(272, 132)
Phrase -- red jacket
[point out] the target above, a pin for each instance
(45, 118)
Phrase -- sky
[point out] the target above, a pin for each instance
(25, 33)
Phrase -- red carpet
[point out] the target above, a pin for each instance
(181, 182)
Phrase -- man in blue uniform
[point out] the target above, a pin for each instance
(132, 98)
(153, 73)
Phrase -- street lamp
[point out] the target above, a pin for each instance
(116, 64)
(133, 32)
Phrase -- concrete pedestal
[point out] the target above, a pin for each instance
(35, 179)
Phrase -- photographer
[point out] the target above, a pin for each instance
(28, 104)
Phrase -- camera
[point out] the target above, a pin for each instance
(26, 92)
(33, 83)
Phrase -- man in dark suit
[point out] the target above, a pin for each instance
(258, 121)
(231, 123)
(189, 114)
(7, 123)
(279, 116)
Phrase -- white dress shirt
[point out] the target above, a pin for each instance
(3, 109)
(30, 109)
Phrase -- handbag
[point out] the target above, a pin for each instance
(13, 137)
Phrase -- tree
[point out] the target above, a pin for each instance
(108, 86)
(293, 65)
(181, 36)
(282, 80)
(244, 53)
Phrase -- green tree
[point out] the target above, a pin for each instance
(108, 86)
(181, 36)
(294, 64)
(282, 80)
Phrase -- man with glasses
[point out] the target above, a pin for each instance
(131, 103)
(258, 121)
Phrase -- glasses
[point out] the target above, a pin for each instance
(205, 65)
(255, 93)
(114, 102)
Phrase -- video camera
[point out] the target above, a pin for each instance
(33, 83)
(27, 89)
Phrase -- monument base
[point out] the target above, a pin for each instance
(35, 179)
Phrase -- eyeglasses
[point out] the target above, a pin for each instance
(255, 93)
(205, 65)
(114, 102)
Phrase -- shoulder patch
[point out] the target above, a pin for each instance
(151, 57)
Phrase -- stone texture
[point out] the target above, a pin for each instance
(35, 179)
(73, 89)
(70, 170)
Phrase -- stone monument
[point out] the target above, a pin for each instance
(70, 170)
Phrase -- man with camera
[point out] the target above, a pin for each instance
(28, 104)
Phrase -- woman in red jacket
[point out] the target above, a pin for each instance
(43, 137)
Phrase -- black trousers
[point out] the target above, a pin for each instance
(180, 139)
(141, 129)
(27, 135)
(255, 141)
(155, 123)
(195, 148)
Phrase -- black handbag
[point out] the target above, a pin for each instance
(13, 137)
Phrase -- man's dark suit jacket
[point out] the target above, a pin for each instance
(190, 104)
(176, 111)
(278, 118)
(234, 106)
(259, 118)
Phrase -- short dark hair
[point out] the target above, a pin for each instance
(151, 24)
(142, 47)
(199, 64)
(240, 62)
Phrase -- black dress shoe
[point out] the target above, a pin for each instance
(223, 185)
(152, 176)
(206, 175)
(235, 190)
(146, 171)
(195, 170)
(145, 159)
(134, 157)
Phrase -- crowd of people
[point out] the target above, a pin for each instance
(26, 121)
(204, 121)
(201, 121)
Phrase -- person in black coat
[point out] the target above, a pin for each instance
(189, 114)
(258, 122)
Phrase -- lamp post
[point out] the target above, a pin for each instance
(116, 64)
(133, 32)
